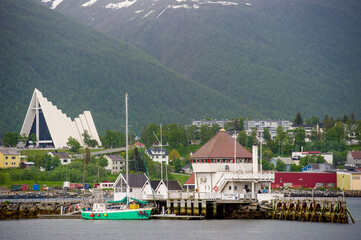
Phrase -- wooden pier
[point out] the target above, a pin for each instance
(318, 210)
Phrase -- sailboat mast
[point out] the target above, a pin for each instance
(161, 154)
(126, 146)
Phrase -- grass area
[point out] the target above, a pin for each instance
(181, 177)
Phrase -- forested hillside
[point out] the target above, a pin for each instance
(276, 57)
(79, 68)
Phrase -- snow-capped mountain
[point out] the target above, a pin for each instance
(262, 53)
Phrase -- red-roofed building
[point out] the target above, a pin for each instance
(222, 165)
(190, 183)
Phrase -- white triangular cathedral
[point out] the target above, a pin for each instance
(52, 127)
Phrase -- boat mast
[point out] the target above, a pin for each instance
(126, 146)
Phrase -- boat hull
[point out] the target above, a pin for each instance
(129, 214)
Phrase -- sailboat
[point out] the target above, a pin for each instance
(103, 210)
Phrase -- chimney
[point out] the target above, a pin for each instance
(255, 158)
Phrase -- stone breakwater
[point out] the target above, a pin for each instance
(30, 204)
(20, 210)
(50, 194)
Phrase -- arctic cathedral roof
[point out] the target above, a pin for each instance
(53, 127)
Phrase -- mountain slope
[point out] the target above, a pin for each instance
(78, 68)
(261, 53)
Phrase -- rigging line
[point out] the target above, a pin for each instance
(140, 147)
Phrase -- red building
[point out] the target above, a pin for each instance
(305, 179)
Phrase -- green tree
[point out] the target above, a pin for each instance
(147, 137)
(11, 139)
(280, 166)
(73, 144)
(23, 138)
(49, 163)
(113, 139)
(336, 133)
(136, 163)
(33, 138)
(206, 133)
(176, 163)
(327, 123)
(252, 138)
(103, 162)
(173, 155)
(86, 137)
(241, 124)
(312, 121)
(295, 168)
(300, 137)
(242, 138)
(280, 137)
(191, 133)
(267, 136)
(267, 155)
(298, 119)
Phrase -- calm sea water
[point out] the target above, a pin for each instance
(182, 230)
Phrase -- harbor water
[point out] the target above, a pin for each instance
(181, 230)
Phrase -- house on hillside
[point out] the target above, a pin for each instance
(136, 183)
(353, 158)
(139, 145)
(187, 169)
(64, 157)
(223, 166)
(158, 154)
(116, 163)
(27, 165)
(9, 157)
(286, 160)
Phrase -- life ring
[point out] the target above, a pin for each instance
(215, 188)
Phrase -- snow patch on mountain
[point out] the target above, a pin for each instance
(88, 4)
(54, 3)
(120, 5)
(224, 3)
(149, 13)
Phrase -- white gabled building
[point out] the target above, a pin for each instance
(136, 184)
(64, 157)
(224, 166)
(52, 127)
(160, 189)
(158, 154)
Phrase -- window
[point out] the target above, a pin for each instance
(6, 157)
(230, 187)
(218, 160)
(65, 160)
(13, 163)
(235, 187)
(13, 157)
(6, 163)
